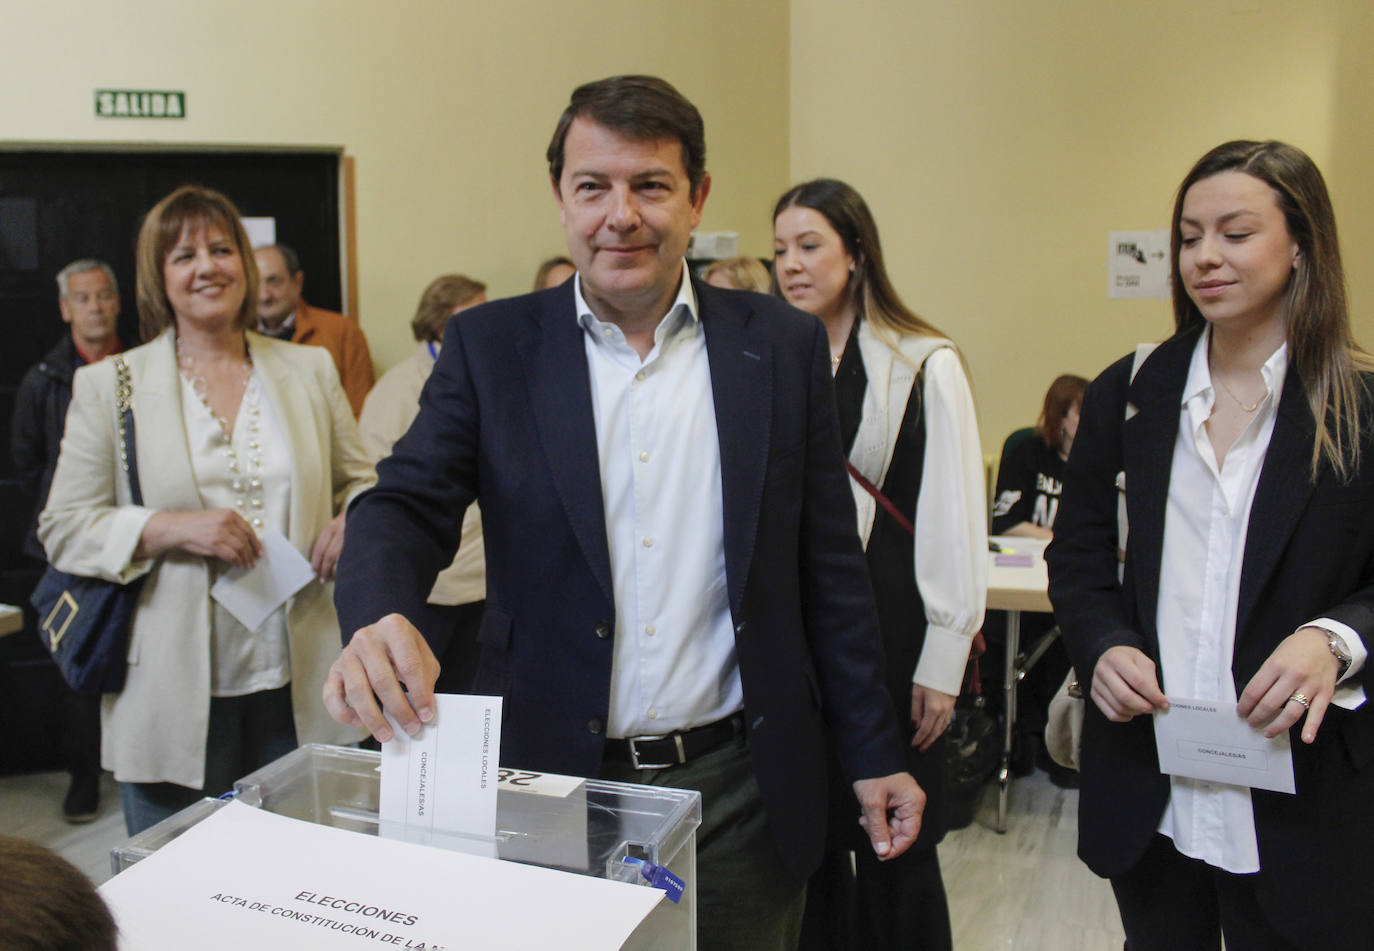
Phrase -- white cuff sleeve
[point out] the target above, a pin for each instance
(951, 525)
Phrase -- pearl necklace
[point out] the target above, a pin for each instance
(245, 480)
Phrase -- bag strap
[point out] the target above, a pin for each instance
(881, 499)
(980, 645)
(128, 458)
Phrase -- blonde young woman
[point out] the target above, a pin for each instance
(907, 423)
(238, 436)
(1239, 452)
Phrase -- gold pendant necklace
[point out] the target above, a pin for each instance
(1239, 402)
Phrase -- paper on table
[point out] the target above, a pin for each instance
(444, 778)
(248, 878)
(250, 595)
(1207, 739)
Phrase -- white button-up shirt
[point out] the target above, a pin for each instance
(1205, 526)
(675, 665)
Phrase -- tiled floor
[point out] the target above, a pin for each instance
(31, 807)
(1024, 890)
(1027, 890)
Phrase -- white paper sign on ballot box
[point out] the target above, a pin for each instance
(245, 877)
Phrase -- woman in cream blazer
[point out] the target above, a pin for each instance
(155, 730)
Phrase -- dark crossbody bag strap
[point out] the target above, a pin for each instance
(128, 458)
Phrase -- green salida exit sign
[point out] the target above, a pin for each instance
(140, 104)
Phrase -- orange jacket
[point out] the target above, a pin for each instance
(346, 344)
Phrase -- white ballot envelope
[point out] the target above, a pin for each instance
(245, 878)
(1207, 739)
(444, 778)
(250, 595)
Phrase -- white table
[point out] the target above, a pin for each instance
(1015, 589)
(11, 619)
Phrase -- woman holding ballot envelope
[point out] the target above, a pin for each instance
(1215, 543)
(246, 455)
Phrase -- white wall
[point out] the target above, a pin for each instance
(999, 142)
(445, 107)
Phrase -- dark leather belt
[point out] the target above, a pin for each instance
(662, 750)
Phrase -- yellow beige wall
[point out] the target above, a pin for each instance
(999, 142)
(446, 108)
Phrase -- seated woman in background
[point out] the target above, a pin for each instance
(553, 272)
(459, 593)
(1238, 453)
(238, 436)
(908, 426)
(739, 274)
(1030, 479)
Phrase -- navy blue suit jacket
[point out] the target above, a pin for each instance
(506, 418)
(1309, 553)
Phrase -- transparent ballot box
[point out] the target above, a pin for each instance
(589, 830)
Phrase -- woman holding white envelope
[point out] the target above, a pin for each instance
(1239, 449)
(241, 440)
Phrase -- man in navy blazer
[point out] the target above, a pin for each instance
(675, 590)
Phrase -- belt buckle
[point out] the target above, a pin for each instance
(635, 762)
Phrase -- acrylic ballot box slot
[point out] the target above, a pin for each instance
(585, 827)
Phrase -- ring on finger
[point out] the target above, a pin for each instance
(1299, 698)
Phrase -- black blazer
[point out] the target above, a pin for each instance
(507, 417)
(1309, 553)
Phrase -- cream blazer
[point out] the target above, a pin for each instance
(155, 729)
(391, 406)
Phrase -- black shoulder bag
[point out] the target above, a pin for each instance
(84, 622)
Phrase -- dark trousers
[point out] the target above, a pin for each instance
(898, 904)
(1170, 902)
(859, 903)
(245, 734)
(81, 733)
(746, 899)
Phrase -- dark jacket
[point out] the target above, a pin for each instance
(1309, 553)
(508, 412)
(40, 415)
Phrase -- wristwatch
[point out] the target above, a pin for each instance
(1336, 644)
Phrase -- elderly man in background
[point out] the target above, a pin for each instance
(88, 298)
(284, 314)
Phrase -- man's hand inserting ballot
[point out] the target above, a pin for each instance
(388, 662)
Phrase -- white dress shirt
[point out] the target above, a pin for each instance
(242, 661)
(675, 665)
(1205, 526)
